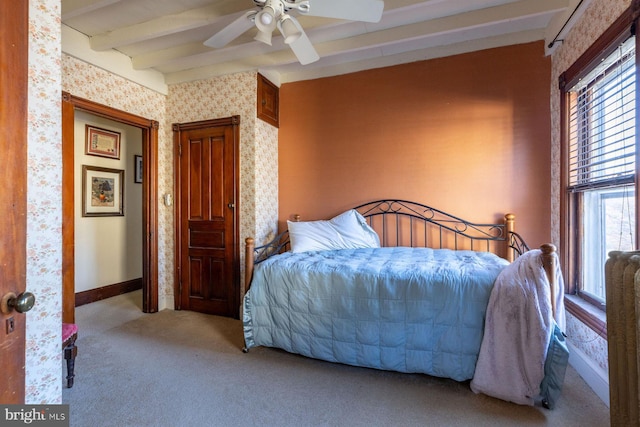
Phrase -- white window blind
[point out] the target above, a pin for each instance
(602, 123)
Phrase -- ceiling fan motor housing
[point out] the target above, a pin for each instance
(284, 5)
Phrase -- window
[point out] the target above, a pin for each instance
(602, 162)
(599, 157)
(609, 223)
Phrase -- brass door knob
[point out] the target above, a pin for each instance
(21, 303)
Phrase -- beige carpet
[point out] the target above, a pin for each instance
(180, 368)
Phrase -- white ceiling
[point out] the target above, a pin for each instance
(166, 36)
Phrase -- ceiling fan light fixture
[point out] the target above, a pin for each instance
(266, 19)
(270, 14)
(264, 37)
(289, 29)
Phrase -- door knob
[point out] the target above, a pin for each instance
(21, 303)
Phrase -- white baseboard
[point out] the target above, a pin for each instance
(592, 374)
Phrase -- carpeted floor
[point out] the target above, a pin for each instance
(181, 368)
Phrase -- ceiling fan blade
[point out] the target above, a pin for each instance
(353, 10)
(233, 30)
(302, 47)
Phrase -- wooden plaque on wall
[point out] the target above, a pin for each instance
(268, 101)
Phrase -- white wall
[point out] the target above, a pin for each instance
(108, 250)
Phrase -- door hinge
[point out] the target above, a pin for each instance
(180, 150)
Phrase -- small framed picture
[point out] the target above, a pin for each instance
(102, 191)
(137, 162)
(102, 142)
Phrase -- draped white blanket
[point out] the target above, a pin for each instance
(518, 328)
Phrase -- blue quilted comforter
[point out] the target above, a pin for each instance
(403, 309)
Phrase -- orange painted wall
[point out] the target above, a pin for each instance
(468, 134)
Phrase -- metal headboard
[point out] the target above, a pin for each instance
(405, 223)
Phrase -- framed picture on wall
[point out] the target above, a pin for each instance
(102, 191)
(137, 163)
(102, 142)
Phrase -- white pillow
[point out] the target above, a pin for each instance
(349, 230)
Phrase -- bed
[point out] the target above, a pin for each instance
(402, 286)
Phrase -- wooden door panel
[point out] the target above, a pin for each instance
(196, 280)
(207, 225)
(13, 192)
(218, 198)
(206, 294)
(217, 269)
(197, 176)
(205, 238)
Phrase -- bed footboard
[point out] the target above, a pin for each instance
(249, 262)
(255, 255)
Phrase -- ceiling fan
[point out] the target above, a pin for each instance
(272, 14)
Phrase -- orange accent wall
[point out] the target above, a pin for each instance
(468, 134)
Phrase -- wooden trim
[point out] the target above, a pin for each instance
(177, 219)
(225, 121)
(570, 226)
(149, 128)
(93, 295)
(635, 10)
(586, 314)
(108, 112)
(619, 31)
(68, 203)
(150, 224)
(235, 120)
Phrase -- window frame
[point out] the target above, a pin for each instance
(589, 310)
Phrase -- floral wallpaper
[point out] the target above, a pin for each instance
(93, 83)
(43, 377)
(186, 102)
(266, 181)
(597, 18)
(220, 97)
(200, 100)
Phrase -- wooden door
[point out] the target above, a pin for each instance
(13, 196)
(207, 252)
